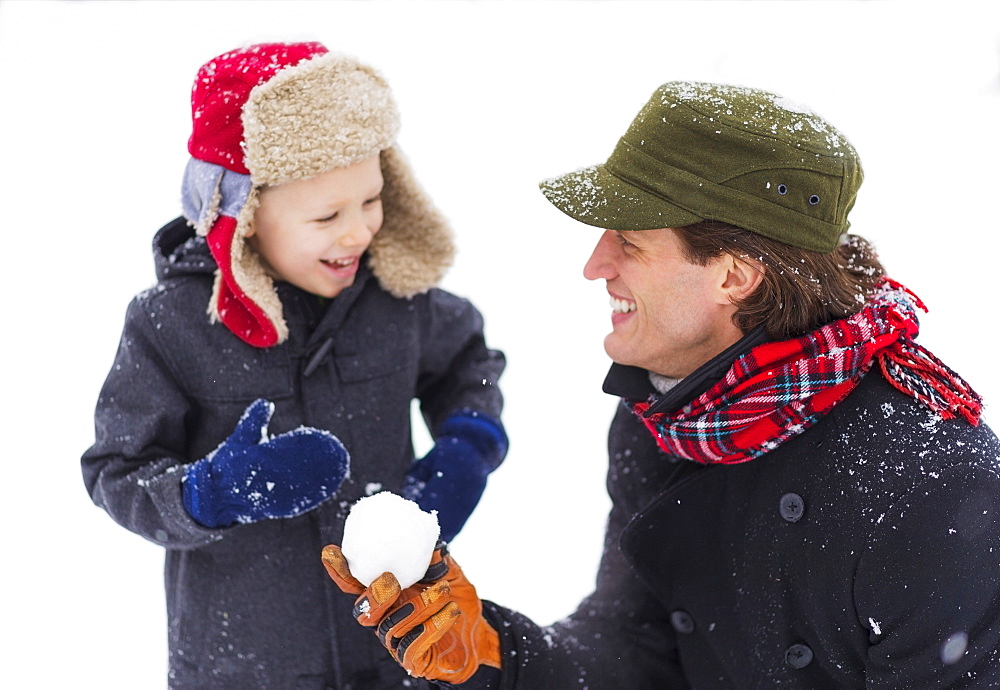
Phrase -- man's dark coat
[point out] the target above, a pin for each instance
(864, 553)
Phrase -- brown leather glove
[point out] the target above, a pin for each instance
(435, 629)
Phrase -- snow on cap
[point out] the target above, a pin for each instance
(699, 151)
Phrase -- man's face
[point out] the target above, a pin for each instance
(669, 315)
(312, 232)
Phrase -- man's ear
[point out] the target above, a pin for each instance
(742, 277)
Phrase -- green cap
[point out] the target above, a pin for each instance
(700, 151)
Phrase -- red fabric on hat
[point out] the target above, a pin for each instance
(238, 312)
(222, 88)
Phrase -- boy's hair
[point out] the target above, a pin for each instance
(801, 290)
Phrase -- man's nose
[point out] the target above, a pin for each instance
(600, 264)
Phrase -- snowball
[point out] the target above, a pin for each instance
(386, 532)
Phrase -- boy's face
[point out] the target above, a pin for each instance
(312, 232)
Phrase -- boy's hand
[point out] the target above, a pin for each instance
(252, 477)
(451, 478)
(435, 629)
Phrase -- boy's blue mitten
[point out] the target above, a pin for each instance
(253, 477)
(451, 478)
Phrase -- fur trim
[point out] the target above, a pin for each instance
(241, 315)
(249, 272)
(326, 112)
(415, 246)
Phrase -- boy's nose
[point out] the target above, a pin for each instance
(358, 233)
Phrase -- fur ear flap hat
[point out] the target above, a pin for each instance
(276, 112)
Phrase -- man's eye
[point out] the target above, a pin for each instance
(624, 242)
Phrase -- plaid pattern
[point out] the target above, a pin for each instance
(778, 390)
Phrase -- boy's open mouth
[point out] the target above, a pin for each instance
(340, 263)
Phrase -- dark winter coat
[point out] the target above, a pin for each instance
(865, 553)
(250, 606)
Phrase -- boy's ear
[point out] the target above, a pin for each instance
(742, 277)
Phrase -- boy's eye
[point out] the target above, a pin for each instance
(327, 219)
(373, 200)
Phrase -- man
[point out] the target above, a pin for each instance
(802, 495)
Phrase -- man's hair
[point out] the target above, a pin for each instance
(801, 290)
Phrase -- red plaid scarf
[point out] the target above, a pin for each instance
(778, 390)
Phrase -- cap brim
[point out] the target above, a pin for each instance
(597, 197)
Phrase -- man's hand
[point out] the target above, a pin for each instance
(435, 629)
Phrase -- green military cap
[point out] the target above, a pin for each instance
(700, 151)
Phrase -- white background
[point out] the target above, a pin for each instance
(494, 96)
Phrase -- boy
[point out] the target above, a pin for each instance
(316, 254)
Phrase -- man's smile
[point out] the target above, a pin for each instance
(620, 305)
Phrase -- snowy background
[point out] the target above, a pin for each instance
(494, 96)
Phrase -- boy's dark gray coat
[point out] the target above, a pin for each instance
(251, 605)
(862, 554)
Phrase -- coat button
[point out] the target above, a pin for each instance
(792, 507)
(798, 656)
(682, 622)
